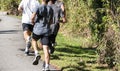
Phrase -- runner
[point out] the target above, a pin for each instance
(41, 31)
(59, 12)
(27, 6)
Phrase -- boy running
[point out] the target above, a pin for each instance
(41, 31)
(59, 12)
(27, 6)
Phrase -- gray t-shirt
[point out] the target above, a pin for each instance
(57, 12)
(59, 4)
(42, 25)
(56, 16)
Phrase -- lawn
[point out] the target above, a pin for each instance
(70, 56)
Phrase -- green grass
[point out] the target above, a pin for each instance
(70, 56)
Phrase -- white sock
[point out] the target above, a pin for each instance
(36, 52)
(26, 49)
(46, 65)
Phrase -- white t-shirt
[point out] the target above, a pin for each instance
(28, 7)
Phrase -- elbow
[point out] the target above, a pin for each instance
(19, 9)
(64, 20)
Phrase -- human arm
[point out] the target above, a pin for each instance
(20, 7)
(33, 18)
(34, 15)
(63, 14)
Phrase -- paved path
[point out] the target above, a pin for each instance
(12, 57)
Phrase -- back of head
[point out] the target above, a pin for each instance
(53, 1)
(46, 1)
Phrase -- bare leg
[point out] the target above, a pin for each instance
(27, 38)
(47, 55)
(27, 34)
(39, 45)
(37, 56)
(34, 44)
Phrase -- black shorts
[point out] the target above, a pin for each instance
(27, 27)
(44, 39)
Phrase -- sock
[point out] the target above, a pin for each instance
(36, 52)
(26, 49)
(47, 65)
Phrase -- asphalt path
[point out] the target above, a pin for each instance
(12, 44)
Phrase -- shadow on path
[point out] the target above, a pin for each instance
(9, 31)
(31, 52)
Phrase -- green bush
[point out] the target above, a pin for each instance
(93, 18)
(8, 4)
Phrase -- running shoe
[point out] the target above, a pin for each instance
(28, 45)
(54, 44)
(46, 69)
(51, 50)
(36, 59)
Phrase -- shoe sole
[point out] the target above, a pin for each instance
(45, 70)
(26, 53)
(36, 61)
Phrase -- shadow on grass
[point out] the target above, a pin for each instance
(101, 67)
(76, 50)
(54, 57)
(81, 67)
(91, 62)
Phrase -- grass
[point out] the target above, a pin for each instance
(70, 56)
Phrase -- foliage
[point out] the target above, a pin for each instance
(97, 17)
(109, 38)
(10, 6)
(79, 16)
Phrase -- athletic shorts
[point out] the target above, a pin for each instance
(44, 39)
(27, 27)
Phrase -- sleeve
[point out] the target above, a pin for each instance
(35, 5)
(35, 10)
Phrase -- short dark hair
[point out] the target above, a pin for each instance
(46, 1)
(53, 1)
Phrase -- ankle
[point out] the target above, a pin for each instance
(46, 65)
(36, 52)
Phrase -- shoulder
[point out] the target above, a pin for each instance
(49, 6)
(41, 7)
(59, 3)
(50, 9)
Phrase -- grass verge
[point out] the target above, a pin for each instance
(70, 56)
